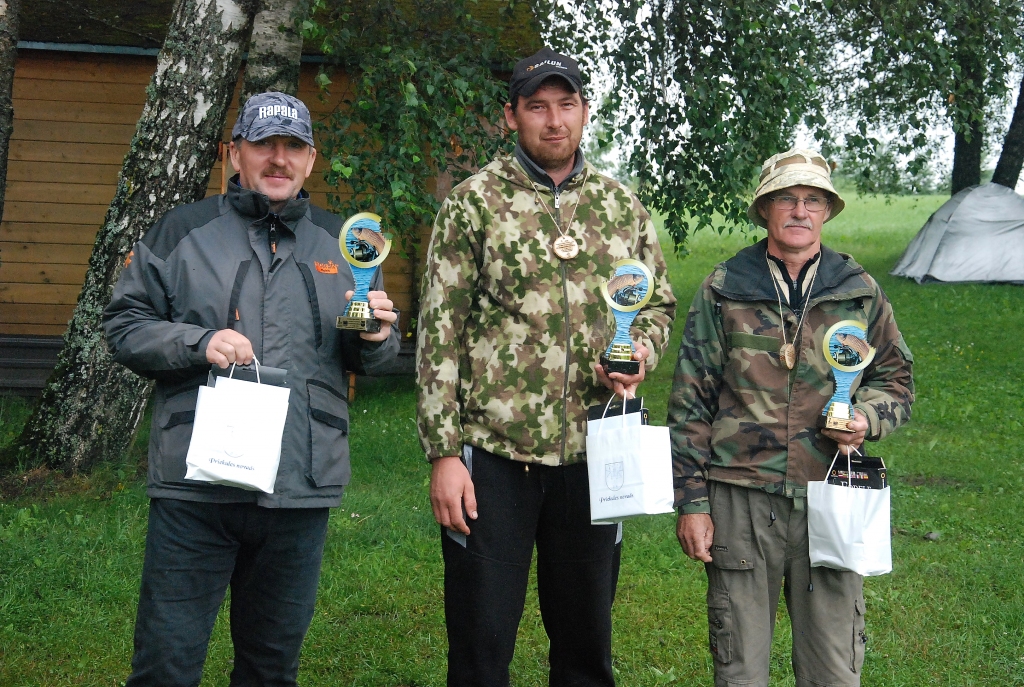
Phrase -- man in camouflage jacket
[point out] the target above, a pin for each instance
(509, 336)
(745, 428)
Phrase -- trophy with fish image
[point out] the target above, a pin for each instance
(364, 246)
(847, 352)
(629, 289)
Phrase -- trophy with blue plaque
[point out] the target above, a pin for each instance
(364, 247)
(847, 351)
(629, 289)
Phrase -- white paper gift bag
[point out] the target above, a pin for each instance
(848, 525)
(630, 468)
(236, 438)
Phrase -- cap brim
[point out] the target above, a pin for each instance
(258, 133)
(531, 85)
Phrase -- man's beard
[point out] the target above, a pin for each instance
(549, 160)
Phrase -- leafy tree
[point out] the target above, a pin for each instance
(702, 92)
(421, 97)
(910, 67)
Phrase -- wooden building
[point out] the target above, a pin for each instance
(76, 105)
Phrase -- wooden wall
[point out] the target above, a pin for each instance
(75, 115)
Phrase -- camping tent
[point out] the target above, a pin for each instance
(976, 236)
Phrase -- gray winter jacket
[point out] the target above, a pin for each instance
(208, 266)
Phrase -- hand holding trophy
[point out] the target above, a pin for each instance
(848, 352)
(629, 289)
(364, 246)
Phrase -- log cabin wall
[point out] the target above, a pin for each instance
(75, 115)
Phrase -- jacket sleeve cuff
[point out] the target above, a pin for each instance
(695, 508)
(874, 426)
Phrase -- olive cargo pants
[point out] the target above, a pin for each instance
(760, 549)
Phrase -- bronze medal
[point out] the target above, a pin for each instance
(566, 247)
(788, 355)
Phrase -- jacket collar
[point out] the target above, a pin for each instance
(746, 277)
(255, 206)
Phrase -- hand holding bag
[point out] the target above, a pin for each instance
(848, 518)
(236, 438)
(629, 465)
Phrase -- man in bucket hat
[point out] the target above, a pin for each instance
(750, 385)
(251, 273)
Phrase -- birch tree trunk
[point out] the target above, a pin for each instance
(274, 51)
(1011, 158)
(9, 10)
(91, 407)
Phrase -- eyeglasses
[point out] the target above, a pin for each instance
(811, 203)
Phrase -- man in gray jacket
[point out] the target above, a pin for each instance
(255, 272)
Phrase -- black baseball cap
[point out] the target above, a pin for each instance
(273, 114)
(531, 72)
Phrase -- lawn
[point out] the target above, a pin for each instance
(951, 613)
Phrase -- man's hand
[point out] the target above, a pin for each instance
(848, 441)
(228, 346)
(450, 488)
(695, 533)
(382, 308)
(623, 384)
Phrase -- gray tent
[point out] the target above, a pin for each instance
(976, 236)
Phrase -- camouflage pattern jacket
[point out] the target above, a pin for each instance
(509, 333)
(738, 415)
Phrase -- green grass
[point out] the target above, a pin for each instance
(951, 613)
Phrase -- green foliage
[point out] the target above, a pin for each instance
(701, 93)
(420, 98)
(909, 67)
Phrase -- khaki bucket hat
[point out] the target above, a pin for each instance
(795, 167)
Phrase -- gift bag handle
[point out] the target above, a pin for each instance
(849, 466)
(257, 366)
(608, 405)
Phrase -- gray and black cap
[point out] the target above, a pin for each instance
(531, 72)
(273, 114)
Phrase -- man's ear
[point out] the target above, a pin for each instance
(510, 117)
(761, 210)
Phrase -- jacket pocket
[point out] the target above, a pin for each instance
(720, 625)
(171, 435)
(328, 429)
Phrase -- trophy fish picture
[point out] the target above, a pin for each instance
(847, 351)
(629, 289)
(364, 247)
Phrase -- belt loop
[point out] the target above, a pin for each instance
(798, 503)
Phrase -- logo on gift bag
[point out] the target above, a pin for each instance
(614, 475)
(232, 440)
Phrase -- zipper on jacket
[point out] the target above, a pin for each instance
(564, 271)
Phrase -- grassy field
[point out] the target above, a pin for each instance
(951, 613)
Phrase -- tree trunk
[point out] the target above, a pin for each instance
(1011, 158)
(91, 407)
(274, 54)
(967, 158)
(9, 10)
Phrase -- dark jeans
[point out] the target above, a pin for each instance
(485, 579)
(270, 557)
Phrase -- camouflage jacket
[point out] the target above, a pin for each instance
(509, 333)
(738, 415)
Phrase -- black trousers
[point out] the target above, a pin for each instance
(271, 559)
(486, 575)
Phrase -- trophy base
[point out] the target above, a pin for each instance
(358, 318)
(358, 324)
(626, 367)
(839, 417)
